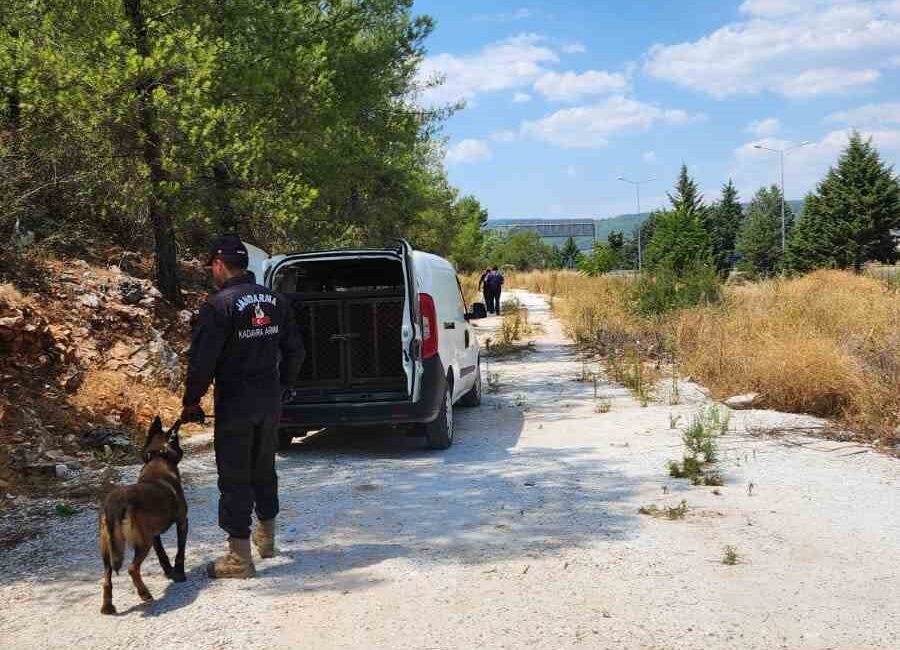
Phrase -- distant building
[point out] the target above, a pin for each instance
(554, 232)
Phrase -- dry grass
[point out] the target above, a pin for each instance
(469, 284)
(827, 343)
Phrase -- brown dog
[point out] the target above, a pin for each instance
(138, 514)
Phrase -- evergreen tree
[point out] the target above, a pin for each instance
(686, 196)
(616, 240)
(679, 241)
(759, 239)
(570, 254)
(602, 259)
(470, 218)
(723, 221)
(646, 230)
(848, 220)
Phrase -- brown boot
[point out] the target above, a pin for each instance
(264, 538)
(237, 563)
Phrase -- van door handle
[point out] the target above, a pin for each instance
(449, 325)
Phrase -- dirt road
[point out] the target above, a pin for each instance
(525, 534)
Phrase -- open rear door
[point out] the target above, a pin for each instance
(258, 262)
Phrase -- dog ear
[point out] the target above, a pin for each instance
(156, 429)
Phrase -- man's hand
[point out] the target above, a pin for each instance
(193, 414)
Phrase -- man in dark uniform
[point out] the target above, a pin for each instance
(245, 340)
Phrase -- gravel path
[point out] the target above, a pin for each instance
(525, 534)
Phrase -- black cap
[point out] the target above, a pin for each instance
(229, 248)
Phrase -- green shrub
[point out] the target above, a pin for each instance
(664, 290)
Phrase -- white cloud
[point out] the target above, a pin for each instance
(521, 98)
(504, 136)
(797, 48)
(574, 48)
(590, 126)
(763, 128)
(804, 167)
(511, 63)
(868, 115)
(649, 156)
(570, 86)
(468, 151)
(827, 81)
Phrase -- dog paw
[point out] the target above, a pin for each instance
(107, 609)
(176, 576)
(146, 596)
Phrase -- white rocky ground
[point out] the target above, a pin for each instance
(525, 534)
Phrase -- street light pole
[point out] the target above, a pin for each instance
(781, 153)
(637, 190)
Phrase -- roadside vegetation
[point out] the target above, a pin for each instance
(827, 343)
(812, 329)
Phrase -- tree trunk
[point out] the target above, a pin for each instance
(151, 140)
(222, 189)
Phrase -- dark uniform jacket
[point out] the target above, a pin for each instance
(245, 339)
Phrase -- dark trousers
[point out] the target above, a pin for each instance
(492, 298)
(245, 458)
(487, 298)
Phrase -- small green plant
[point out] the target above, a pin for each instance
(674, 420)
(636, 377)
(730, 556)
(63, 509)
(521, 400)
(493, 382)
(603, 406)
(701, 448)
(667, 512)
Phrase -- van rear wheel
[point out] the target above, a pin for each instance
(439, 433)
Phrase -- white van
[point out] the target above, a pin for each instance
(388, 339)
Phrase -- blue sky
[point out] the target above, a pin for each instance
(562, 97)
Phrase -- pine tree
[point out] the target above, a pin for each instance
(848, 220)
(570, 254)
(723, 221)
(759, 239)
(679, 241)
(686, 196)
(616, 240)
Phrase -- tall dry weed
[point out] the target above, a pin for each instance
(827, 343)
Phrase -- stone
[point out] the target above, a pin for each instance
(742, 402)
(91, 300)
(107, 438)
(132, 291)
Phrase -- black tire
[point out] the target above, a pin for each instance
(439, 433)
(473, 397)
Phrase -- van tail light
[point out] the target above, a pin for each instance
(429, 326)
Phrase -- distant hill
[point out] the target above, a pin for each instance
(626, 223)
(555, 231)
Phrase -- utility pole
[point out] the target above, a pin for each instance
(781, 153)
(637, 189)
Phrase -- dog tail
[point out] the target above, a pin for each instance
(112, 537)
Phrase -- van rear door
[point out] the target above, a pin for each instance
(410, 339)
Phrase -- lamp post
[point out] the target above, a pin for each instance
(637, 188)
(781, 153)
